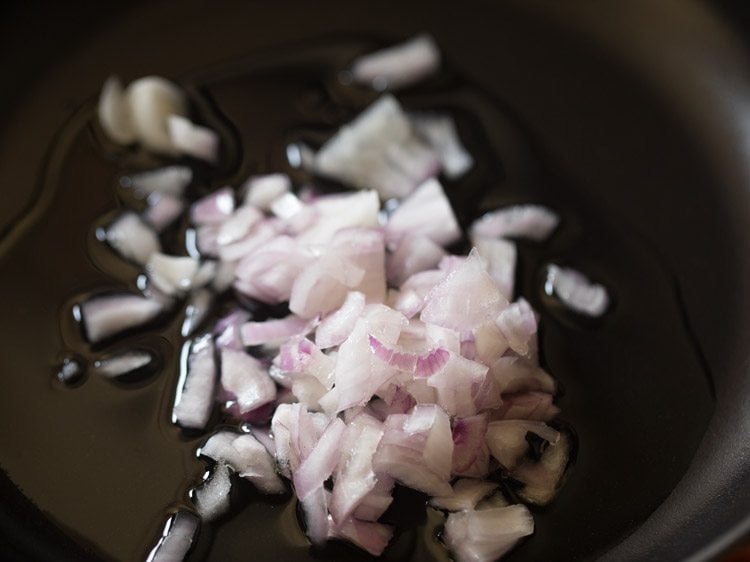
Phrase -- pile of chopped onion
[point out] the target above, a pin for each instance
(394, 363)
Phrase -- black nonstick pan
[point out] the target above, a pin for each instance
(630, 118)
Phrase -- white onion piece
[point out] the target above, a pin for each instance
(132, 238)
(412, 254)
(365, 249)
(369, 536)
(261, 191)
(299, 355)
(425, 212)
(471, 456)
(457, 384)
(337, 326)
(224, 276)
(206, 241)
(193, 140)
(114, 112)
(534, 222)
(321, 462)
(467, 493)
(163, 209)
(501, 257)
(376, 502)
(515, 374)
(340, 211)
(295, 433)
(214, 208)
(532, 405)
(205, 274)
(286, 206)
(269, 272)
(576, 291)
(170, 180)
(322, 286)
(315, 508)
(517, 323)
(237, 226)
(262, 233)
(152, 100)
(264, 437)
(123, 363)
(176, 539)
(489, 343)
(198, 306)
(416, 449)
(227, 329)
(172, 275)
(107, 315)
(507, 439)
(486, 535)
(399, 65)
(355, 477)
(543, 479)
(246, 380)
(212, 498)
(466, 298)
(440, 132)
(195, 391)
(367, 153)
(246, 455)
(274, 331)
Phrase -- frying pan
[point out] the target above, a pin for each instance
(640, 108)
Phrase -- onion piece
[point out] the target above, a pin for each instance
(212, 498)
(416, 449)
(531, 405)
(471, 456)
(575, 291)
(295, 431)
(163, 209)
(501, 257)
(517, 323)
(484, 536)
(457, 385)
(193, 140)
(413, 254)
(246, 455)
(422, 365)
(315, 508)
(355, 477)
(176, 539)
(369, 536)
(104, 316)
(337, 326)
(245, 381)
(340, 211)
(114, 113)
(321, 462)
(426, 212)
(214, 208)
(195, 390)
(151, 101)
(172, 275)
(238, 225)
(507, 439)
(368, 152)
(543, 479)
(125, 364)
(273, 332)
(132, 238)
(515, 374)
(467, 492)
(198, 306)
(534, 222)
(440, 133)
(227, 329)
(466, 298)
(170, 180)
(397, 66)
(261, 191)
